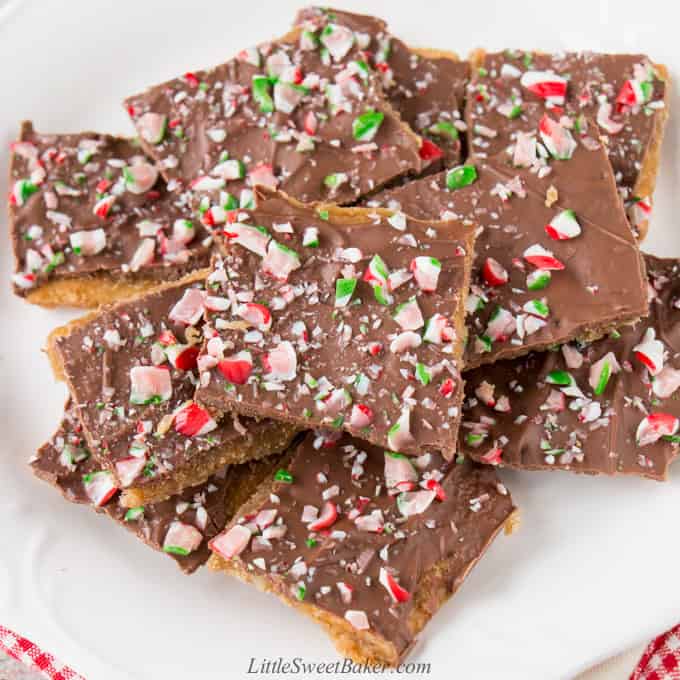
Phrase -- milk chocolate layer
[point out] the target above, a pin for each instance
(608, 407)
(554, 258)
(305, 114)
(131, 371)
(87, 203)
(368, 543)
(625, 93)
(427, 87)
(66, 462)
(348, 319)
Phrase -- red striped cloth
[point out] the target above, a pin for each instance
(33, 657)
(661, 659)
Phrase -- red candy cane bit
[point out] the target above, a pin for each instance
(429, 151)
(191, 79)
(433, 485)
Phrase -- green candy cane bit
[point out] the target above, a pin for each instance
(444, 129)
(559, 378)
(423, 374)
(365, 126)
(175, 550)
(461, 176)
(323, 214)
(538, 308)
(538, 279)
(602, 381)
(485, 343)
(261, 94)
(473, 439)
(283, 476)
(335, 179)
(57, 259)
(311, 542)
(230, 202)
(134, 514)
(344, 289)
(515, 112)
(379, 293)
(300, 592)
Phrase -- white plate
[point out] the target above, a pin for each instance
(595, 565)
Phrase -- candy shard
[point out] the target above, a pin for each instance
(650, 352)
(563, 226)
(546, 85)
(189, 309)
(99, 487)
(182, 539)
(415, 502)
(149, 384)
(398, 469)
(399, 436)
(666, 382)
(557, 139)
(231, 543)
(151, 127)
(397, 593)
(281, 362)
(193, 421)
(601, 371)
(655, 426)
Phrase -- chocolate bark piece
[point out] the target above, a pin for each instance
(181, 526)
(609, 407)
(627, 94)
(304, 113)
(555, 258)
(348, 319)
(91, 222)
(368, 543)
(131, 372)
(426, 86)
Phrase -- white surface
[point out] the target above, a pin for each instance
(594, 567)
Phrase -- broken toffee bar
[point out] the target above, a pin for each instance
(91, 221)
(626, 94)
(305, 114)
(181, 526)
(350, 319)
(366, 542)
(131, 372)
(555, 258)
(606, 407)
(426, 86)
